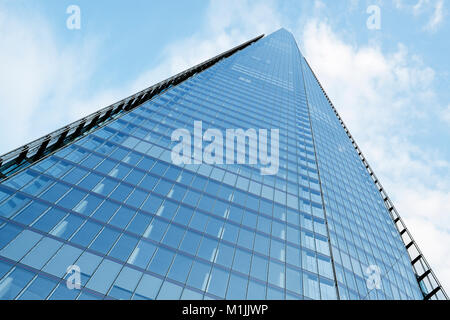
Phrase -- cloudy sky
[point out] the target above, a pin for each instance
(390, 85)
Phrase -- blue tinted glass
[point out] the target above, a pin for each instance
(65, 257)
(169, 291)
(198, 278)
(123, 248)
(14, 282)
(55, 192)
(20, 245)
(236, 287)
(161, 261)
(121, 218)
(125, 283)
(39, 289)
(4, 268)
(30, 213)
(218, 282)
(148, 287)
(67, 226)
(7, 233)
(142, 254)
(12, 205)
(50, 219)
(105, 240)
(103, 277)
(62, 292)
(207, 231)
(41, 253)
(86, 233)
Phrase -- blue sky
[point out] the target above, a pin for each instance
(391, 85)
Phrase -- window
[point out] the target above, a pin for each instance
(311, 286)
(87, 262)
(39, 289)
(105, 211)
(294, 280)
(148, 287)
(218, 282)
(190, 242)
(169, 291)
(121, 218)
(87, 232)
(327, 290)
(142, 254)
(17, 248)
(155, 230)
(199, 275)
(161, 261)
(30, 213)
(121, 192)
(140, 223)
(38, 185)
(173, 236)
(71, 198)
(180, 268)
(105, 240)
(39, 255)
(276, 274)
(237, 287)
(124, 246)
(207, 249)
(65, 257)
(125, 283)
(104, 276)
(88, 205)
(256, 291)
(55, 192)
(241, 261)
(259, 268)
(13, 205)
(14, 283)
(153, 203)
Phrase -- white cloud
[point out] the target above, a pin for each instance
(383, 98)
(319, 4)
(434, 8)
(228, 23)
(418, 7)
(39, 79)
(398, 4)
(437, 17)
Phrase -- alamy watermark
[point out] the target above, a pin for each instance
(218, 152)
(374, 20)
(373, 280)
(74, 279)
(73, 22)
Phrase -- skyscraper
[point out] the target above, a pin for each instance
(99, 209)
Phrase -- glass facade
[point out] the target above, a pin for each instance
(137, 226)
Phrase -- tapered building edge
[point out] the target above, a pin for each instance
(419, 263)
